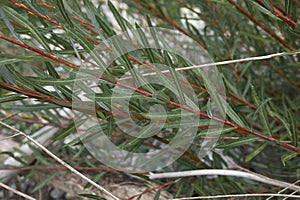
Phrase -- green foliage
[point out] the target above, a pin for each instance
(261, 129)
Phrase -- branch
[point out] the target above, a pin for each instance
(253, 19)
(148, 94)
(226, 62)
(16, 192)
(279, 14)
(224, 172)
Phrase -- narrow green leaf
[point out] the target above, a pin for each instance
(105, 26)
(15, 157)
(286, 125)
(9, 61)
(256, 37)
(157, 195)
(44, 182)
(54, 81)
(215, 132)
(264, 10)
(237, 143)
(6, 74)
(255, 152)
(145, 43)
(262, 111)
(91, 196)
(11, 97)
(40, 157)
(121, 21)
(268, 4)
(30, 108)
(63, 133)
(64, 12)
(288, 6)
(287, 157)
(262, 105)
(248, 85)
(9, 25)
(108, 98)
(20, 19)
(174, 76)
(234, 116)
(292, 121)
(91, 10)
(80, 38)
(198, 189)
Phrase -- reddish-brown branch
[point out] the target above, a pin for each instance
(243, 101)
(285, 18)
(83, 23)
(45, 4)
(145, 93)
(279, 14)
(278, 7)
(30, 11)
(42, 53)
(66, 103)
(152, 189)
(253, 19)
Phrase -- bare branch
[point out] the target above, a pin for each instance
(16, 192)
(224, 172)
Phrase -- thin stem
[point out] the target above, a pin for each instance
(152, 189)
(233, 196)
(9, 137)
(63, 102)
(84, 23)
(223, 172)
(284, 189)
(16, 192)
(279, 14)
(23, 6)
(148, 94)
(60, 160)
(226, 62)
(42, 53)
(253, 19)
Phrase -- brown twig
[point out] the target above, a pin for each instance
(279, 14)
(253, 19)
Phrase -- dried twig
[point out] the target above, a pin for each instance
(226, 62)
(284, 189)
(224, 172)
(16, 192)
